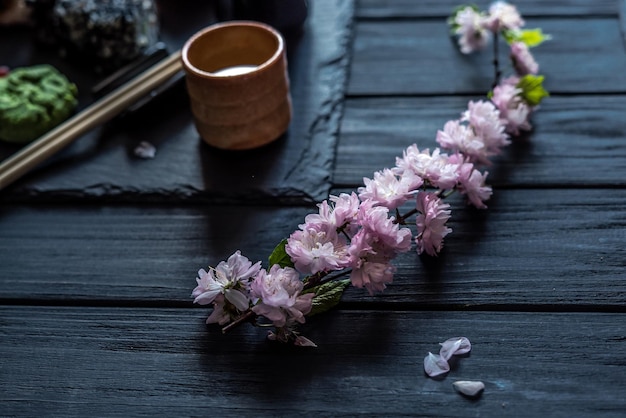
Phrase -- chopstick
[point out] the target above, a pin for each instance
(99, 112)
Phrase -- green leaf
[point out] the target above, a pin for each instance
(327, 295)
(531, 37)
(279, 256)
(532, 89)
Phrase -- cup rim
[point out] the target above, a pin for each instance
(233, 23)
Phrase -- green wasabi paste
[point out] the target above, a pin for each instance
(34, 100)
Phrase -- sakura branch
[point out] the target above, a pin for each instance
(358, 235)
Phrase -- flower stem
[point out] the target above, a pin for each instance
(314, 279)
(247, 316)
(401, 219)
(496, 62)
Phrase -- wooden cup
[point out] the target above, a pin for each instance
(236, 75)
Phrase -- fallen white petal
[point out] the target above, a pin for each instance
(471, 388)
(454, 346)
(435, 365)
(145, 150)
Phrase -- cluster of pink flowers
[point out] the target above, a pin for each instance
(236, 286)
(363, 232)
(475, 29)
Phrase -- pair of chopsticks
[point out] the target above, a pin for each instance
(99, 112)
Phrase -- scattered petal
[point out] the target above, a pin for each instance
(435, 365)
(145, 150)
(454, 346)
(304, 342)
(470, 388)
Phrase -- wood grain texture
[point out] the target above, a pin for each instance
(531, 248)
(572, 137)
(376, 9)
(101, 165)
(416, 57)
(129, 362)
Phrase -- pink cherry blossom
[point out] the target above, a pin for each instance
(369, 269)
(229, 278)
(434, 168)
(431, 223)
(280, 298)
(484, 119)
(471, 30)
(389, 189)
(314, 251)
(523, 60)
(513, 109)
(345, 211)
(340, 213)
(386, 236)
(504, 16)
(461, 138)
(472, 184)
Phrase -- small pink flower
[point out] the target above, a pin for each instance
(314, 251)
(370, 262)
(472, 184)
(230, 278)
(388, 189)
(279, 296)
(387, 236)
(461, 138)
(340, 213)
(471, 30)
(346, 208)
(484, 119)
(513, 109)
(504, 16)
(374, 276)
(434, 168)
(431, 223)
(523, 60)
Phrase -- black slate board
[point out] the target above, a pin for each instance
(296, 167)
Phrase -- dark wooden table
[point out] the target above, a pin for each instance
(99, 249)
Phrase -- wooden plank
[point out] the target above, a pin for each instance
(418, 57)
(376, 9)
(577, 140)
(118, 254)
(109, 362)
(102, 164)
(545, 247)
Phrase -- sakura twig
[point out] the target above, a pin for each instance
(361, 233)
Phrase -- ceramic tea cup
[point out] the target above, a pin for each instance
(236, 75)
